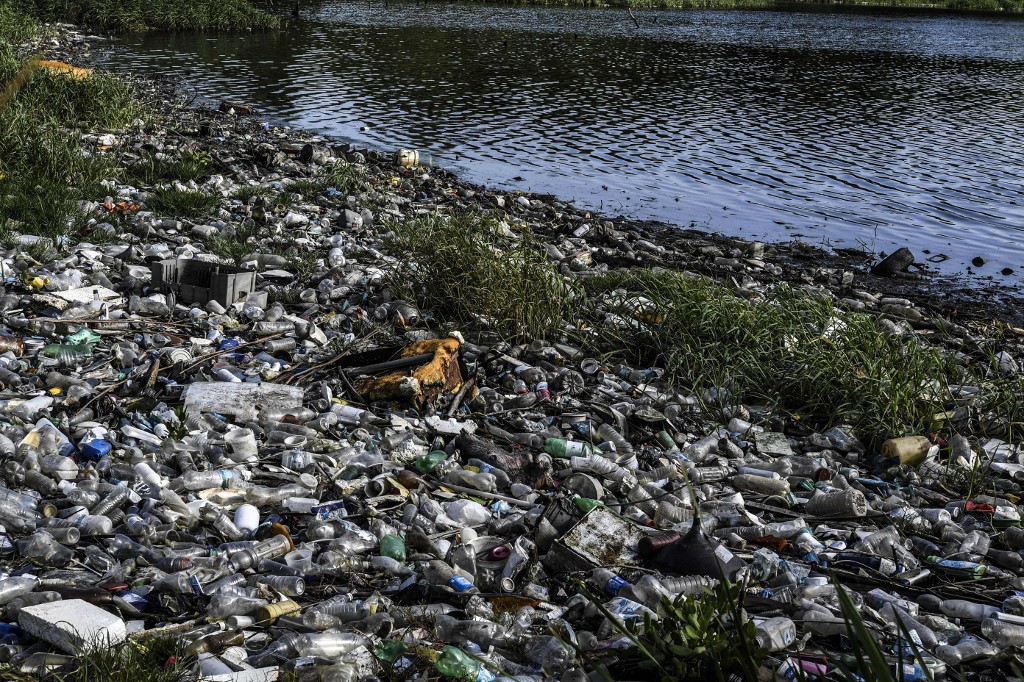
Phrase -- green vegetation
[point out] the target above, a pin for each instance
(181, 203)
(709, 636)
(790, 349)
(45, 167)
(703, 638)
(151, 169)
(161, 660)
(470, 272)
(170, 15)
(787, 348)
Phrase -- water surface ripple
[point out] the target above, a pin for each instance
(846, 129)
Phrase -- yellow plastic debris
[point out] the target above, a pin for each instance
(62, 68)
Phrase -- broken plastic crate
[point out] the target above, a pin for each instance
(194, 281)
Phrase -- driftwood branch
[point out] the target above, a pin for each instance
(633, 16)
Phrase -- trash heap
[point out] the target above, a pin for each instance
(298, 475)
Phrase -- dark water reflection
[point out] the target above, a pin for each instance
(840, 128)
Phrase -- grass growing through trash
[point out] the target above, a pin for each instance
(151, 169)
(704, 638)
(790, 349)
(184, 203)
(45, 168)
(468, 271)
(159, 660)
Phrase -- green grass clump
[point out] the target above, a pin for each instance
(181, 203)
(161, 660)
(464, 269)
(167, 15)
(15, 25)
(791, 349)
(45, 168)
(151, 169)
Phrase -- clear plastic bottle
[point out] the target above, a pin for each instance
(288, 585)
(42, 548)
(974, 546)
(471, 479)
(967, 610)
(776, 634)
(12, 588)
(1002, 633)
(224, 605)
(968, 648)
(484, 633)
(438, 572)
(59, 466)
(850, 502)
(270, 548)
(215, 478)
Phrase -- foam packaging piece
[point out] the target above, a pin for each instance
(72, 625)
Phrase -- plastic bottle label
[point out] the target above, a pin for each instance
(614, 584)
(459, 584)
(723, 554)
(195, 585)
(957, 565)
(332, 511)
(225, 478)
(575, 448)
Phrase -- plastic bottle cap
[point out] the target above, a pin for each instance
(816, 580)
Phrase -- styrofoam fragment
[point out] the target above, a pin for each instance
(72, 625)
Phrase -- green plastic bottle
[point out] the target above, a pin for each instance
(559, 447)
(392, 546)
(586, 504)
(427, 463)
(454, 663)
(390, 650)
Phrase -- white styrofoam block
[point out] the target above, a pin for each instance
(253, 675)
(72, 625)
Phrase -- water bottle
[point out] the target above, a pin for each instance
(501, 478)
(216, 478)
(760, 484)
(455, 664)
(968, 648)
(222, 606)
(850, 502)
(776, 634)
(484, 633)
(289, 586)
(607, 581)
(974, 546)
(1002, 633)
(438, 572)
(967, 610)
(480, 481)
(12, 588)
(42, 548)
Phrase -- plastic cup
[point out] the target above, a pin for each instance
(241, 444)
